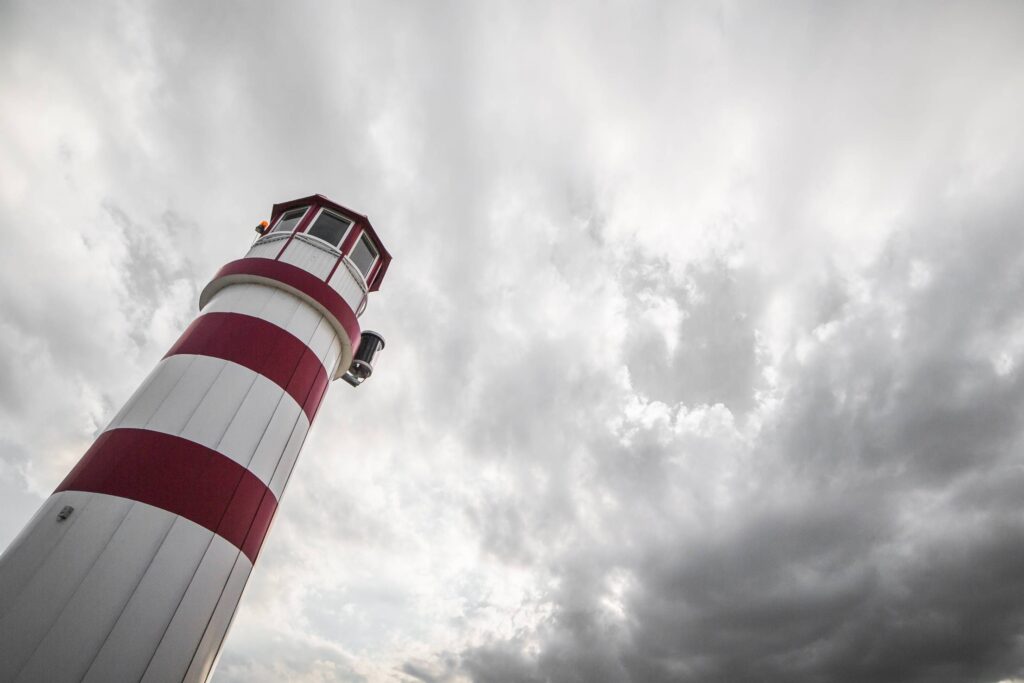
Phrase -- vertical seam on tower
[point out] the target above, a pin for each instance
(220, 596)
(228, 577)
(85, 575)
(280, 459)
(298, 418)
(174, 612)
(206, 552)
(138, 583)
(146, 383)
(263, 434)
(238, 557)
(56, 545)
(195, 409)
(231, 619)
(191, 360)
(234, 415)
(284, 391)
(280, 496)
(270, 295)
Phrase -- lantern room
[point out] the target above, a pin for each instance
(329, 241)
(321, 222)
(326, 255)
(337, 228)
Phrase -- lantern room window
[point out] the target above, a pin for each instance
(364, 255)
(330, 227)
(289, 219)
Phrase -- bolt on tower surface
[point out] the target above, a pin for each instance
(133, 569)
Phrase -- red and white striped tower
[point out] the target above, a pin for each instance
(133, 568)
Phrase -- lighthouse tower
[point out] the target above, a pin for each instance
(133, 568)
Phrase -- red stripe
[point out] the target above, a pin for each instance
(182, 477)
(262, 347)
(298, 279)
(376, 269)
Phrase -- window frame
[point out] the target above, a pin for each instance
(374, 249)
(305, 210)
(336, 214)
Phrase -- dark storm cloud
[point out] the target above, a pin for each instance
(879, 539)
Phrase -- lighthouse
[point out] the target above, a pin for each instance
(133, 569)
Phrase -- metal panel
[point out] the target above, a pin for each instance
(209, 647)
(71, 644)
(178, 646)
(147, 399)
(245, 298)
(220, 405)
(36, 608)
(287, 462)
(180, 404)
(304, 322)
(244, 433)
(321, 341)
(331, 358)
(349, 286)
(315, 260)
(136, 395)
(268, 246)
(36, 541)
(280, 308)
(141, 626)
(275, 438)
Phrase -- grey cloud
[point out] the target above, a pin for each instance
(878, 542)
(714, 360)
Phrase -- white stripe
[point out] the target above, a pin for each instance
(213, 415)
(287, 461)
(35, 609)
(326, 345)
(174, 412)
(148, 397)
(217, 629)
(241, 298)
(223, 406)
(37, 540)
(178, 645)
(71, 644)
(134, 639)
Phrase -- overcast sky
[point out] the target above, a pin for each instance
(705, 325)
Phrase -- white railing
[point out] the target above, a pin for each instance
(350, 284)
(317, 258)
(312, 255)
(267, 246)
